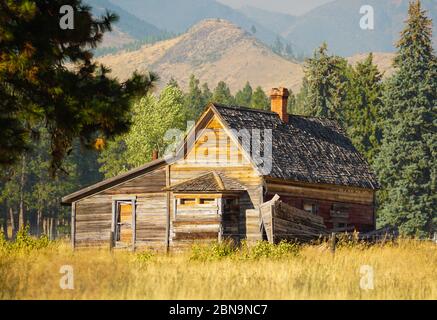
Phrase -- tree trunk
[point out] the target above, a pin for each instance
(21, 218)
(13, 224)
(44, 226)
(5, 222)
(54, 228)
(50, 228)
(38, 222)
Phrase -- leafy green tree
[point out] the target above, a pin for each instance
(364, 107)
(194, 102)
(327, 81)
(152, 118)
(260, 99)
(37, 87)
(406, 164)
(244, 96)
(222, 94)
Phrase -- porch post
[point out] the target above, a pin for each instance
(220, 214)
(73, 225)
(134, 222)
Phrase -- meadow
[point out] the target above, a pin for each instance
(404, 269)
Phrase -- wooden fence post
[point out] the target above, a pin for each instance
(333, 242)
(111, 240)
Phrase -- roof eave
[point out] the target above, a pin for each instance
(111, 182)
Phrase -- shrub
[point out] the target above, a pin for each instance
(228, 249)
(264, 249)
(144, 256)
(24, 241)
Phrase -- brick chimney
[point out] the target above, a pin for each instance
(279, 98)
(155, 154)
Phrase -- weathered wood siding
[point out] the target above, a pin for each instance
(284, 222)
(93, 220)
(355, 204)
(214, 150)
(94, 214)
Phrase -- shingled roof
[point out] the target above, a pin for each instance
(209, 182)
(305, 149)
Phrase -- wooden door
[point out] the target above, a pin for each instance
(125, 223)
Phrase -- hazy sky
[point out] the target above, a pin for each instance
(294, 7)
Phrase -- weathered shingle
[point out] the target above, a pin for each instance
(209, 182)
(305, 149)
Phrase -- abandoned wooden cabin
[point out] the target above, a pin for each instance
(229, 166)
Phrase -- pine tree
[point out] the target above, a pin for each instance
(260, 100)
(173, 82)
(326, 76)
(289, 51)
(206, 94)
(364, 107)
(291, 103)
(37, 87)
(407, 164)
(301, 104)
(193, 99)
(222, 94)
(278, 46)
(244, 97)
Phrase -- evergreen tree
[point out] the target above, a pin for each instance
(301, 104)
(253, 29)
(244, 96)
(278, 46)
(363, 107)
(173, 82)
(29, 195)
(37, 87)
(260, 100)
(206, 94)
(291, 103)
(194, 103)
(222, 94)
(289, 51)
(407, 161)
(327, 80)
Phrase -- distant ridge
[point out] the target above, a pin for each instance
(215, 50)
(212, 50)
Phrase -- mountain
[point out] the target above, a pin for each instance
(178, 16)
(337, 23)
(275, 21)
(212, 50)
(215, 50)
(128, 29)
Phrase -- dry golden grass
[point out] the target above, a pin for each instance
(406, 270)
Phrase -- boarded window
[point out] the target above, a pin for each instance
(207, 201)
(188, 201)
(310, 207)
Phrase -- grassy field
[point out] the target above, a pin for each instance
(402, 270)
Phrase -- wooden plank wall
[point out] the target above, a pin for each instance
(359, 203)
(94, 213)
(219, 153)
(93, 221)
